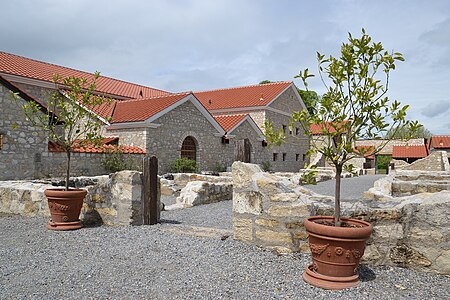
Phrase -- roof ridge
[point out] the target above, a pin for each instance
(73, 69)
(230, 115)
(244, 86)
(156, 97)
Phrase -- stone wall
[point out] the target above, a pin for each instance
(111, 200)
(130, 137)
(22, 143)
(294, 148)
(259, 153)
(409, 231)
(297, 144)
(266, 211)
(53, 164)
(24, 152)
(436, 161)
(186, 120)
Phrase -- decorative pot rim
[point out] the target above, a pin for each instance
(338, 232)
(61, 192)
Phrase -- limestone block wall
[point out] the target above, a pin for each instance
(53, 164)
(266, 212)
(287, 101)
(130, 137)
(112, 200)
(22, 144)
(186, 120)
(290, 156)
(259, 153)
(436, 161)
(411, 231)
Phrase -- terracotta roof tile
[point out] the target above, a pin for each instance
(409, 151)
(30, 68)
(318, 129)
(245, 96)
(228, 122)
(142, 109)
(440, 141)
(367, 150)
(53, 147)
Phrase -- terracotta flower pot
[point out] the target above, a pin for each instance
(65, 207)
(336, 252)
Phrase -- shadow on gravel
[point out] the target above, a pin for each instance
(169, 221)
(366, 274)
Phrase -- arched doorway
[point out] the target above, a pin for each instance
(189, 148)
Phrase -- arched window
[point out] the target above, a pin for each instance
(189, 149)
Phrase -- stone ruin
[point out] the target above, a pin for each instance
(411, 231)
(113, 199)
(190, 189)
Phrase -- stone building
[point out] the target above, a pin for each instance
(204, 126)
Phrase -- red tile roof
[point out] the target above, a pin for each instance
(367, 150)
(245, 96)
(440, 141)
(30, 68)
(320, 129)
(228, 122)
(53, 147)
(142, 109)
(409, 151)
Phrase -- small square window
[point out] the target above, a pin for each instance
(275, 156)
(297, 156)
(284, 156)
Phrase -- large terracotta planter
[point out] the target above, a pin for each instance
(65, 207)
(336, 252)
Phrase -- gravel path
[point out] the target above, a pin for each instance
(351, 188)
(166, 262)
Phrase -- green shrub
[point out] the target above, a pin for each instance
(383, 161)
(183, 165)
(220, 167)
(116, 160)
(266, 166)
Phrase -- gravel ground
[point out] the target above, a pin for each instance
(165, 262)
(351, 188)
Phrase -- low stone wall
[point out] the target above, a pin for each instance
(53, 164)
(436, 161)
(401, 183)
(111, 200)
(410, 231)
(202, 192)
(171, 184)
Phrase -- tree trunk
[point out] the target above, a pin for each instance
(337, 197)
(68, 170)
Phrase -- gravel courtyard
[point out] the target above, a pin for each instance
(190, 255)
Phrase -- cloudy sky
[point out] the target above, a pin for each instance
(196, 45)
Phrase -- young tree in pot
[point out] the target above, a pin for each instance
(354, 106)
(70, 124)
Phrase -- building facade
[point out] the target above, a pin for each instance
(153, 121)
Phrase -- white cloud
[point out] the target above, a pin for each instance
(197, 44)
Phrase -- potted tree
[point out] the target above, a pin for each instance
(354, 106)
(70, 124)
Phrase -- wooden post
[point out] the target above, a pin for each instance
(150, 205)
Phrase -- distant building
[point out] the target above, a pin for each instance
(205, 126)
